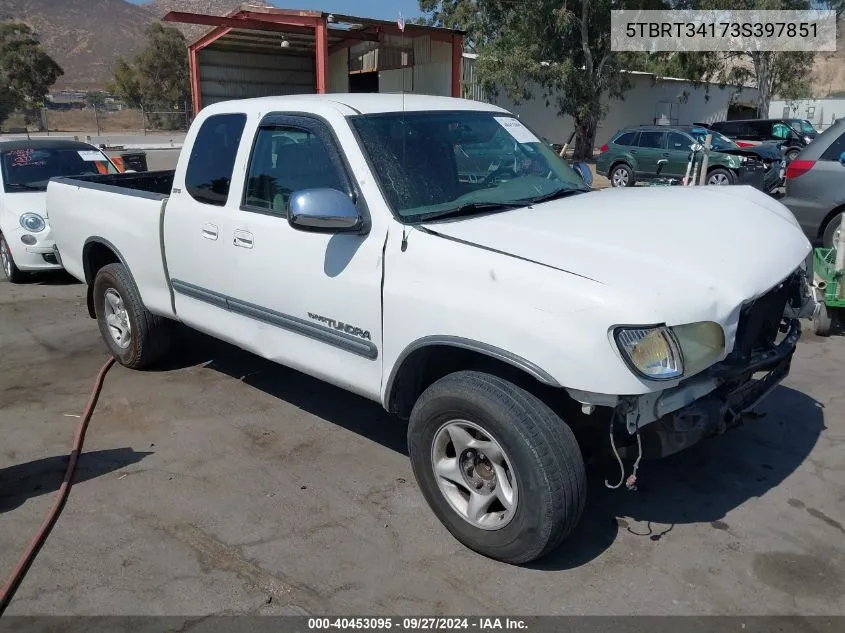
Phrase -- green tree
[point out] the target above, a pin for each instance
(96, 98)
(558, 48)
(124, 83)
(26, 72)
(157, 79)
(774, 73)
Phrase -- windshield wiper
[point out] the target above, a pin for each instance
(556, 194)
(470, 208)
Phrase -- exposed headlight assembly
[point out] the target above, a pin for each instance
(663, 353)
(33, 222)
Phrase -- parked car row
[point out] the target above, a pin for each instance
(768, 154)
(642, 153)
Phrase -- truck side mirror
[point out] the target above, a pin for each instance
(323, 210)
(583, 170)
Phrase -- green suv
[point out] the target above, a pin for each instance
(648, 152)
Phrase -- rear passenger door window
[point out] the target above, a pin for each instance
(836, 149)
(651, 139)
(286, 159)
(209, 172)
(626, 138)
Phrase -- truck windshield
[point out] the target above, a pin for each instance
(433, 164)
(30, 168)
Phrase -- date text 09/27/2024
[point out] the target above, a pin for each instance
(417, 624)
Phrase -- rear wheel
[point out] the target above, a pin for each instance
(502, 472)
(720, 176)
(830, 236)
(621, 175)
(135, 337)
(12, 273)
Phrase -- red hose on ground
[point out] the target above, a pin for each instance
(14, 581)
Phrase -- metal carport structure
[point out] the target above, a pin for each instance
(262, 51)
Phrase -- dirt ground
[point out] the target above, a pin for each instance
(223, 484)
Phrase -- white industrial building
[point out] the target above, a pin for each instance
(650, 100)
(821, 113)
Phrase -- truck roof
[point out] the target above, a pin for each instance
(356, 103)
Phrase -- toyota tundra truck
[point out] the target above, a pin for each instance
(434, 255)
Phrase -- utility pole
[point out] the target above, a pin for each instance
(97, 119)
(703, 176)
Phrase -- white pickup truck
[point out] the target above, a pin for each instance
(433, 255)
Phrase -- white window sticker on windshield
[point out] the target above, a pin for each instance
(91, 156)
(516, 129)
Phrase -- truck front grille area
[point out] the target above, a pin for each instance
(760, 321)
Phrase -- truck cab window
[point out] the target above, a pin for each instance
(209, 172)
(285, 160)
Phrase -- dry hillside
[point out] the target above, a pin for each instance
(86, 36)
(829, 70)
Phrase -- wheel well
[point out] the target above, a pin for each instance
(823, 224)
(424, 366)
(616, 163)
(95, 255)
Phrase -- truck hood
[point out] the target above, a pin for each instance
(665, 245)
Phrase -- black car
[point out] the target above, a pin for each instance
(790, 135)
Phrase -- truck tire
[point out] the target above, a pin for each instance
(474, 431)
(135, 337)
(11, 272)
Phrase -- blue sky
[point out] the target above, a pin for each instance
(362, 8)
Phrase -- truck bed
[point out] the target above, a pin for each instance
(122, 213)
(158, 183)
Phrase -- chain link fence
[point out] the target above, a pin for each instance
(96, 120)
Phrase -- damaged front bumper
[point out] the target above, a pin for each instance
(710, 403)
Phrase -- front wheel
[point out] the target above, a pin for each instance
(720, 176)
(12, 273)
(792, 155)
(135, 337)
(502, 472)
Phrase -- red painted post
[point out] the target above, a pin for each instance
(322, 52)
(194, 72)
(457, 64)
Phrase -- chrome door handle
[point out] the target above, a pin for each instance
(209, 231)
(243, 239)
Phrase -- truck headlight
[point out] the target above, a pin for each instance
(33, 222)
(702, 344)
(652, 352)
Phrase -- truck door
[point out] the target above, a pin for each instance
(677, 153)
(198, 224)
(649, 151)
(307, 299)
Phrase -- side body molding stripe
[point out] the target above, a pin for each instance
(328, 335)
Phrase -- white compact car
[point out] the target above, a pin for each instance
(26, 166)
